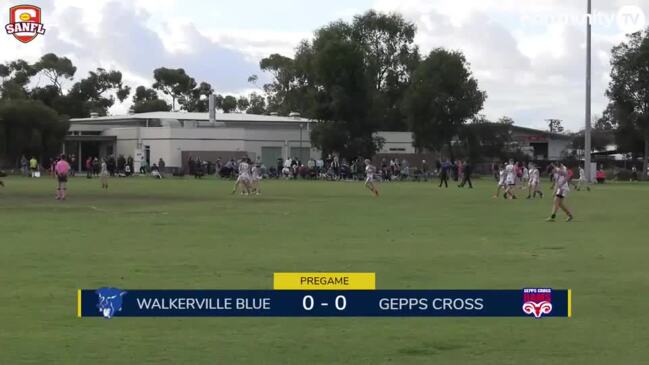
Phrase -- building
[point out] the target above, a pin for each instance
(537, 144)
(175, 136)
(541, 145)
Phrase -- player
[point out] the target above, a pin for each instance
(244, 179)
(526, 177)
(501, 180)
(370, 170)
(256, 179)
(103, 174)
(61, 170)
(554, 167)
(561, 191)
(510, 180)
(534, 184)
(582, 179)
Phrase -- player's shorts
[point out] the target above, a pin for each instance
(369, 178)
(511, 182)
(562, 192)
(244, 178)
(62, 178)
(501, 183)
(534, 182)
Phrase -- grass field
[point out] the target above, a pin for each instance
(193, 234)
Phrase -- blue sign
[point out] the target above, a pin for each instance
(113, 302)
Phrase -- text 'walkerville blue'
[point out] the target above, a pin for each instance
(529, 302)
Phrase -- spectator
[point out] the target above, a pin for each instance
(129, 162)
(144, 166)
(89, 167)
(24, 165)
(155, 172)
(443, 173)
(33, 166)
(161, 166)
(96, 166)
(73, 165)
(466, 176)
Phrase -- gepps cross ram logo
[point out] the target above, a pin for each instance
(25, 23)
(537, 302)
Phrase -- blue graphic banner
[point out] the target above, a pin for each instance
(532, 302)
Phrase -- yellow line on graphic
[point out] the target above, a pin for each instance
(79, 303)
(569, 303)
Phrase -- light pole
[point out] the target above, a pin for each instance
(587, 141)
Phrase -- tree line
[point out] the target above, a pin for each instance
(356, 77)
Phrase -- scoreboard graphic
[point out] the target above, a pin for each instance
(324, 295)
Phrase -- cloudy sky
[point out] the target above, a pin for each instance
(529, 55)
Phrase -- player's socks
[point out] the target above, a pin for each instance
(551, 218)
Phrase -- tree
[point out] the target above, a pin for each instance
(173, 82)
(554, 125)
(55, 68)
(336, 69)
(390, 57)
(441, 97)
(506, 120)
(600, 138)
(385, 44)
(257, 104)
(252, 79)
(289, 90)
(229, 104)
(197, 99)
(628, 90)
(146, 100)
(93, 94)
(243, 104)
(15, 78)
(482, 139)
(29, 127)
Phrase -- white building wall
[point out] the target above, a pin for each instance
(168, 143)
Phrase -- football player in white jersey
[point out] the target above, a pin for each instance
(525, 177)
(534, 184)
(501, 180)
(256, 179)
(562, 188)
(582, 180)
(244, 179)
(370, 171)
(510, 180)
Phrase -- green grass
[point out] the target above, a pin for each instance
(193, 234)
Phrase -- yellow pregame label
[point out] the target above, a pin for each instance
(324, 281)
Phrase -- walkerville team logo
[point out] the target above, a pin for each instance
(25, 22)
(537, 301)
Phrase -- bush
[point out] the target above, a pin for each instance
(619, 174)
